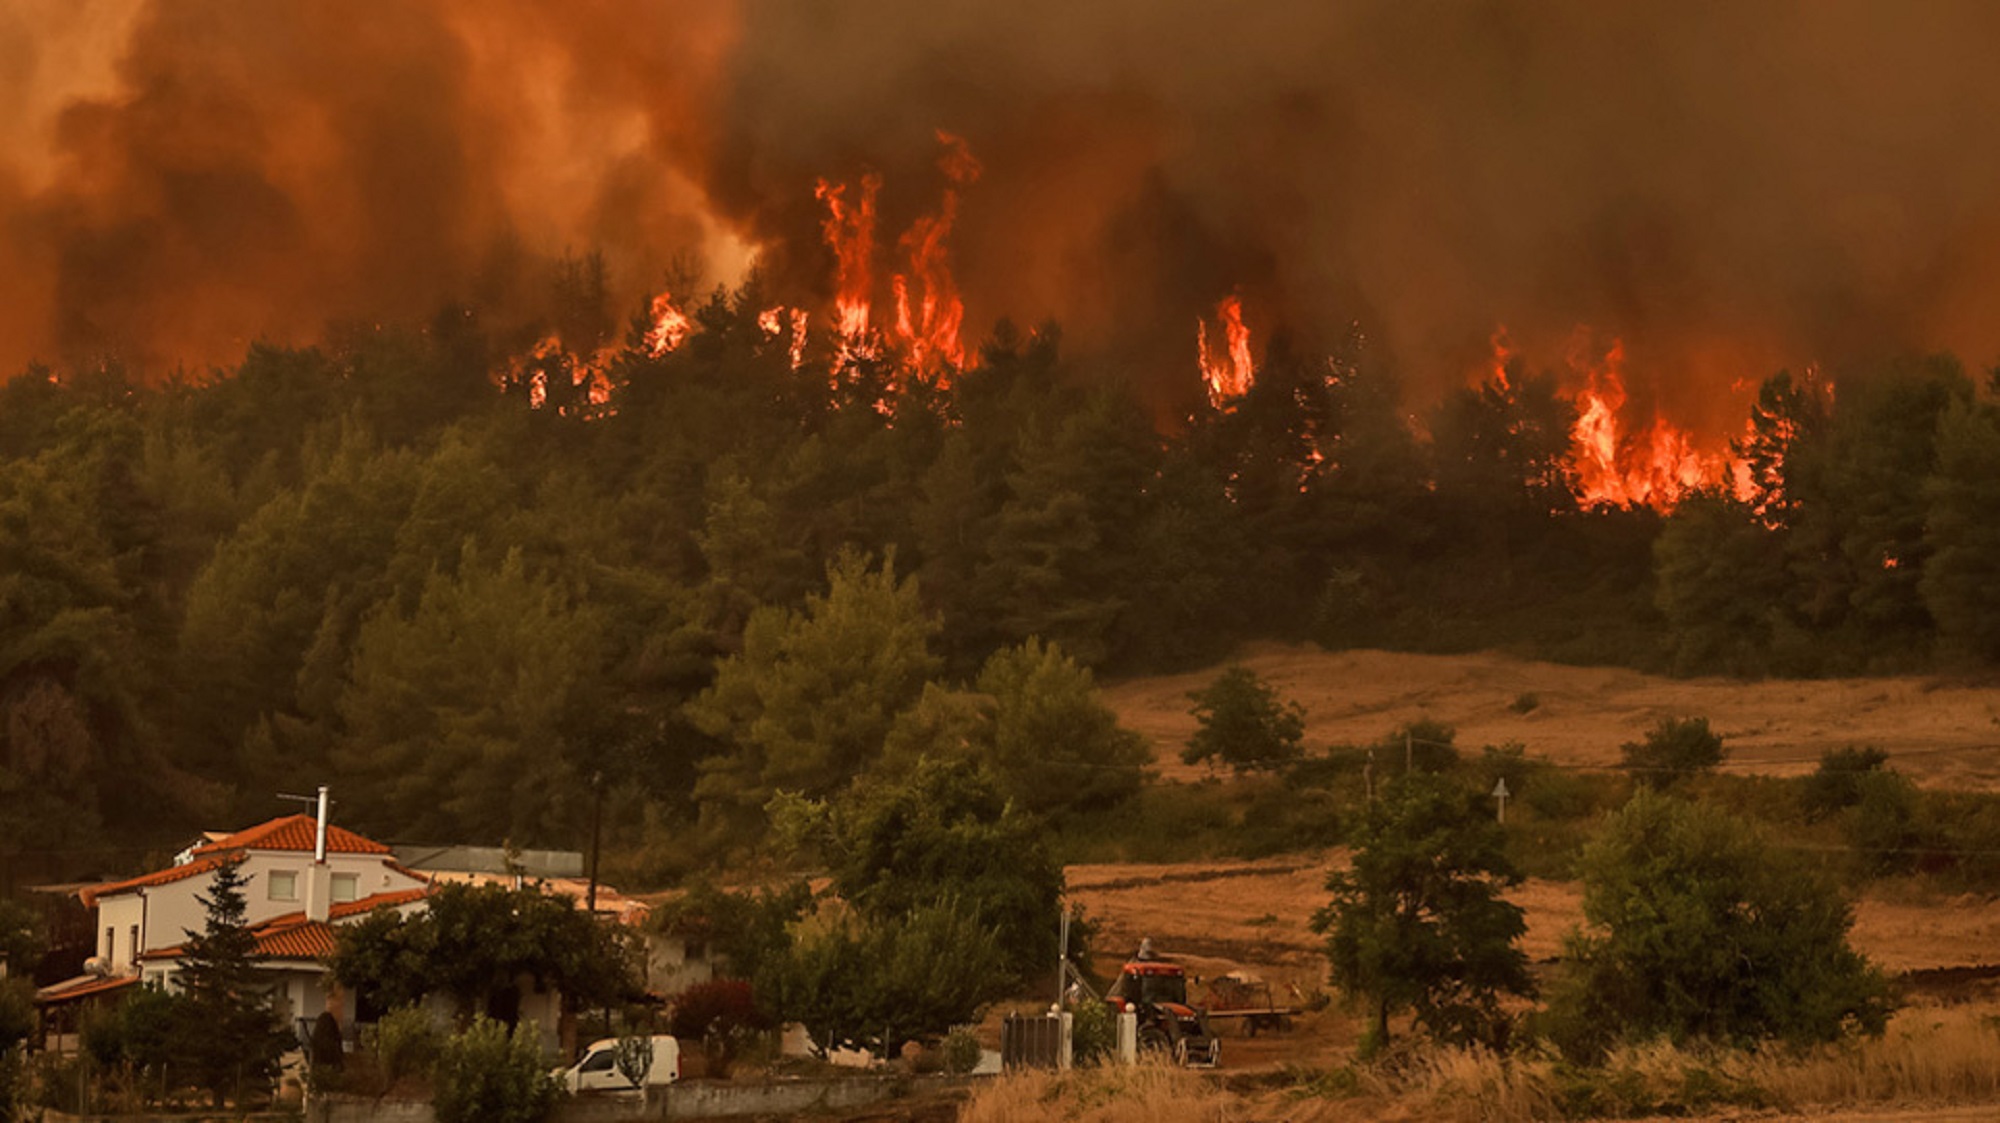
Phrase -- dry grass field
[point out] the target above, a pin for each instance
(1939, 732)
(1255, 915)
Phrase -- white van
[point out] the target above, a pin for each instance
(597, 1071)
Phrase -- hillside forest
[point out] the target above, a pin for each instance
(487, 597)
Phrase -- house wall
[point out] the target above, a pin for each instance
(670, 969)
(115, 918)
(167, 913)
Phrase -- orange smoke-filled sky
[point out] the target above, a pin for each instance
(1725, 186)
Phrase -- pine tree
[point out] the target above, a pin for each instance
(229, 1038)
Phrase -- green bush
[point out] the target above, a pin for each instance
(1884, 823)
(487, 1075)
(1836, 784)
(407, 1044)
(1698, 929)
(1675, 749)
(1093, 1033)
(961, 1050)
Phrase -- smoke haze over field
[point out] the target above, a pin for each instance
(1728, 187)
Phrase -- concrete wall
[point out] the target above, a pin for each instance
(694, 1099)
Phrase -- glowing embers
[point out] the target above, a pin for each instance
(552, 376)
(1225, 363)
(775, 322)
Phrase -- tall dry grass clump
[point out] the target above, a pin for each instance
(1469, 1085)
(1929, 1055)
(1143, 1093)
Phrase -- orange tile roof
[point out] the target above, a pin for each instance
(90, 894)
(83, 986)
(294, 832)
(291, 936)
(369, 904)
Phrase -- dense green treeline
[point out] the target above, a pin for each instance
(481, 605)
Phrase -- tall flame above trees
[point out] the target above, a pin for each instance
(1225, 362)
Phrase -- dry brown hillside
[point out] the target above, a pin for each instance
(1943, 733)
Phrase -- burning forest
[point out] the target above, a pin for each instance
(561, 359)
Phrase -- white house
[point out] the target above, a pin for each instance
(302, 876)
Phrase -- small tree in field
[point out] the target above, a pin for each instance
(229, 1039)
(1676, 748)
(1417, 922)
(1243, 723)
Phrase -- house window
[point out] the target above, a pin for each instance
(111, 943)
(135, 941)
(346, 886)
(695, 950)
(284, 885)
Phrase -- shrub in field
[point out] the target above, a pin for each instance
(1675, 749)
(1836, 784)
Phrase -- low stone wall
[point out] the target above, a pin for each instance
(689, 1099)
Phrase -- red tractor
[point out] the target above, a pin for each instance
(1156, 991)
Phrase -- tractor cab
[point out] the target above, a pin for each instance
(1155, 991)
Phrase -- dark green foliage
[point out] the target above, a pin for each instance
(1675, 749)
(325, 1049)
(407, 1045)
(744, 929)
(1418, 922)
(1093, 1033)
(17, 1013)
(1961, 583)
(1055, 746)
(1886, 825)
(228, 1038)
(875, 984)
(21, 940)
(485, 1074)
(473, 943)
(1240, 722)
(1836, 783)
(142, 1030)
(808, 702)
(946, 832)
(1696, 928)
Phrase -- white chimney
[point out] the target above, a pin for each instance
(319, 878)
(319, 835)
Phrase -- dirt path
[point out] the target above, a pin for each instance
(1939, 732)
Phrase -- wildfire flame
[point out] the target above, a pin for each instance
(1227, 369)
(670, 329)
(1619, 461)
(928, 331)
(778, 320)
(849, 231)
(926, 312)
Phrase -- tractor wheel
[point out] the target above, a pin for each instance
(1153, 1039)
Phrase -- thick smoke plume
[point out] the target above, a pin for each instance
(1726, 187)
